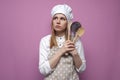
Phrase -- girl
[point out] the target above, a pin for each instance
(53, 61)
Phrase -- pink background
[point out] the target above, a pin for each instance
(24, 22)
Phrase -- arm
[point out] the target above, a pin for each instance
(78, 57)
(44, 50)
(47, 66)
(55, 59)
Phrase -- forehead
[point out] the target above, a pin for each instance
(59, 15)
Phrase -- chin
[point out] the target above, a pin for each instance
(58, 30)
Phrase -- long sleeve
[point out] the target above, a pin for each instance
(80, 50)
(44, 50)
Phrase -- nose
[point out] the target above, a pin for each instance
(58, 21)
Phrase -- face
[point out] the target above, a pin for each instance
(59, 23)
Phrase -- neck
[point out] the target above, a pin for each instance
(60, 34)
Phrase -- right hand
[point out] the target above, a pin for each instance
(67, 47)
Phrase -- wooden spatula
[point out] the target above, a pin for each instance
(69, 29)
(78, 34)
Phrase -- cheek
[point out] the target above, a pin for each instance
(53, 23)
(65, 25)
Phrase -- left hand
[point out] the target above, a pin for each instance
(73, 52)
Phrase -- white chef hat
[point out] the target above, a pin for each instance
(64, 9)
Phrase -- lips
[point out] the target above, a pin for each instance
(58, 26)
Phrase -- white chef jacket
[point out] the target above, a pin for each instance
(44, 51)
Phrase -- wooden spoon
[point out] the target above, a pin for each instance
(78, 34)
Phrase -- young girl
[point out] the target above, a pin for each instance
(53, 61)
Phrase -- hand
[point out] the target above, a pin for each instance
(67, 47)
(74, 52)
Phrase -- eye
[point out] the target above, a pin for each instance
(62, 18)
(54, 18)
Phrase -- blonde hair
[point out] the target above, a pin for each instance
(53, 41)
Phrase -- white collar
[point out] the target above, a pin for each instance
(60, 38)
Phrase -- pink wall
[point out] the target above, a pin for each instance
(24, 22)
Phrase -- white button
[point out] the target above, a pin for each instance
(59, 44)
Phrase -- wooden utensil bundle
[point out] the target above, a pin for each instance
(76, 29)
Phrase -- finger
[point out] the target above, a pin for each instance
(70, 46)
(66, 44)
(70, 49)
(67, 41)
(70, 42)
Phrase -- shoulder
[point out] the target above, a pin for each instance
(45, 39)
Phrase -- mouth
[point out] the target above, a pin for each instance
(58, 26)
